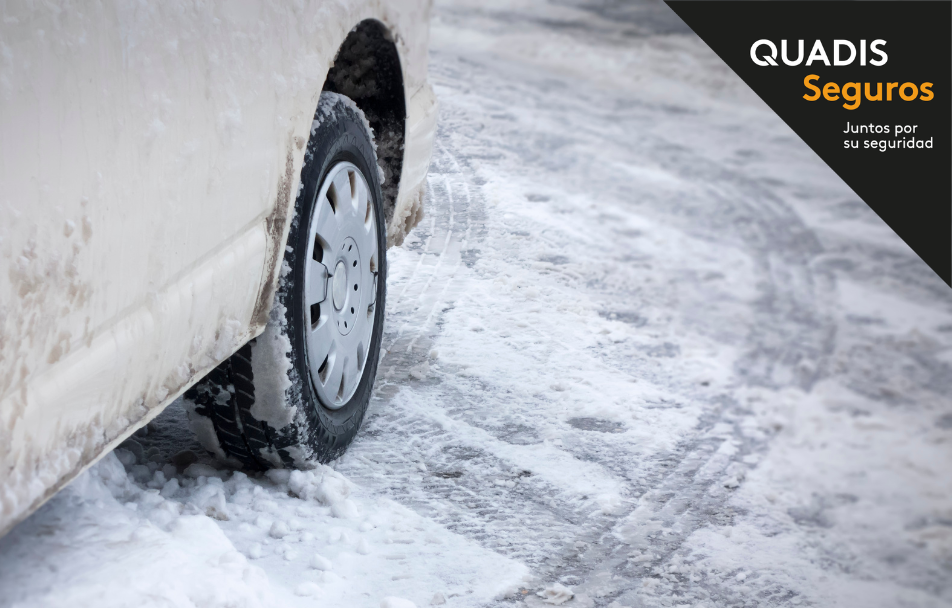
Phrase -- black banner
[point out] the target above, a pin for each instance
(866, 85)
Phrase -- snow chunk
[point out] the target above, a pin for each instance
(420, 371)
(308, 590)
(396, 602)
(328, 487)
(556, 594)
(279, 529)
(126, 457)
(278, 476)
(363, 547)
(210, 500)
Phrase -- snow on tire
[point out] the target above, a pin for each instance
(297, 394)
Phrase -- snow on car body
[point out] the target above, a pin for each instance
(150, 155)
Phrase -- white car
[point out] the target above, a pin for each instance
(199, 196)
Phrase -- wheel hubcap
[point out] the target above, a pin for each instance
(340, 284)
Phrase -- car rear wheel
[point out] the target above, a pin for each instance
(298, 393)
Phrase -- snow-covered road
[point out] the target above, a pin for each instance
(644, 350)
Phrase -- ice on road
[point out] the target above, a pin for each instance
(645, 349)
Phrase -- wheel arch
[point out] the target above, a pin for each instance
(367, 68)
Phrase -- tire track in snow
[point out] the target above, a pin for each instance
(451, 441)
(439, 446)
(470, 480)
(789, 325)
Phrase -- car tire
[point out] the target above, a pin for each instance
(297, 394)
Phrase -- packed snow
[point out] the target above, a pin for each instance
(645, 349)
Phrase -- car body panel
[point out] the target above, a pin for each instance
(149, 158)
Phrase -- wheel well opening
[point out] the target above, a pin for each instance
(367, 69)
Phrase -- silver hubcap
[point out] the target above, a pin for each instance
(340, 284)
